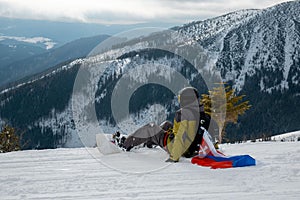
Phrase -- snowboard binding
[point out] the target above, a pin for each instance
(118, 139)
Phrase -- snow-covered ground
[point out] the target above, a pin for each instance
(83, 173)
(288, 137)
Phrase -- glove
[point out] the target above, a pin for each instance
(171, 161)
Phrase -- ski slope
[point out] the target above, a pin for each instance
(83, 173)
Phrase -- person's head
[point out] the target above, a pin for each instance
(188, 96)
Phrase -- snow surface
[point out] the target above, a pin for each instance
(290, 137)
(83, 173)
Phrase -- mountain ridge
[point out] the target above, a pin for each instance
(250, 55)
(38, 63)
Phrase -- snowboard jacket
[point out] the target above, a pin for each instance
(185, 127)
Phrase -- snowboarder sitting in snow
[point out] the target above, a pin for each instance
(181, 138)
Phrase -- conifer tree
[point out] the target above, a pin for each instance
(9, 141)
(225, 110)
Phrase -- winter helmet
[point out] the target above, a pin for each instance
(188, 95)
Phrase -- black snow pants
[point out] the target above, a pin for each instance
(149, 134)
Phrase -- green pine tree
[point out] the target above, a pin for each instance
(9, 141)
(224, 110)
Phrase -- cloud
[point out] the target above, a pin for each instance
(34, 40)
(125, 12)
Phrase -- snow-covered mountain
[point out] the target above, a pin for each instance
(257, 52)
(249, 42)
(267, 44)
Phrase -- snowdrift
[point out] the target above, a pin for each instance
(79, 173)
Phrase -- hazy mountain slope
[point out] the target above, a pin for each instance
(10, 53)
(35, 64)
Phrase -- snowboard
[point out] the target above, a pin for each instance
(105, 144)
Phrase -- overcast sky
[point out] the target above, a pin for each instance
(125, 11)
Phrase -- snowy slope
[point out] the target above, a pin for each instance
(86, 174)
(291, 137)
(265, 46)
